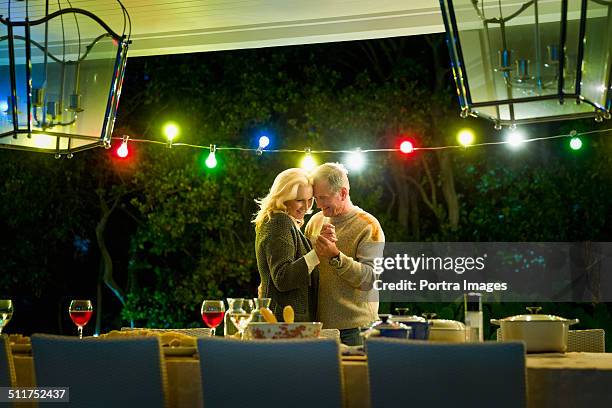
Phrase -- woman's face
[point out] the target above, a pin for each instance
(303, 201)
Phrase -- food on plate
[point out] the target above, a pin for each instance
(268, 315)
(167, 338)
(288, 314)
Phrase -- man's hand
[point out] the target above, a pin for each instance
(325, 248)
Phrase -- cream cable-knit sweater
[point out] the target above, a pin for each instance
(346, 298)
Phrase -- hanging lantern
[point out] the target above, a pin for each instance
(61, 72)
(531, 61)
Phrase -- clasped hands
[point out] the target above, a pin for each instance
(325, 245)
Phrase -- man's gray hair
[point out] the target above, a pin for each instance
(335, 174)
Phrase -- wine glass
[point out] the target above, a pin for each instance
(241, 321)
(80, 313)
(6, 312)
(212, 313)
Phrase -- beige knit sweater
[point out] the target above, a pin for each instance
(346, 297)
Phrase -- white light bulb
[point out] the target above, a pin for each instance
(515, 139)
(355, 160)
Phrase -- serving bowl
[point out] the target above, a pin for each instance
(298, 330)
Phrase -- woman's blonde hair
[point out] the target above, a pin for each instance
(284, 188)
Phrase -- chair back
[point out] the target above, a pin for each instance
(413, 373)
(589, 340)
(330, 334)
(270, 373)
(115, 373)
(7, 370)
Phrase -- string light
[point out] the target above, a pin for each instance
(264, 141)
(122, 151)
(308, 163)
(515, 138)
(355, 160)
(171, 131)
(211, 160)
(406, 147)
(465, 137)
(575, 143)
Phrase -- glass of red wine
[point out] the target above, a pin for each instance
(80, 313)
(212, 313)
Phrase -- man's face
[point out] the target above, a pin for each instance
(331, 204)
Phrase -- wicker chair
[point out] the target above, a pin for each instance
(282, 373)
(590, 340)
(422, 374)
(330, 334)
(7, 370)
(116, 373)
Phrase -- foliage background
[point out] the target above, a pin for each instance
(151, 236)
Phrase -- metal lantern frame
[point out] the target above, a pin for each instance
(470, 108)
(85, 141)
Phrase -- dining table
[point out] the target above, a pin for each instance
(553, 380)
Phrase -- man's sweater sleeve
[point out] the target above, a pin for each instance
(359, 272)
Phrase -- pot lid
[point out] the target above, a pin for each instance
(443, 324)
(386, 324)
(405, 318)
(533, 316)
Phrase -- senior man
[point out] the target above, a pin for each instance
(346, 240)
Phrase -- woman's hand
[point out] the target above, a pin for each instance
(325, 248)
(329, 232)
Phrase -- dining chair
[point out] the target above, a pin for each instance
(589, 340)
(115, 373)
(330, 334)
(423, 374)
(270, 373)
(7, 369)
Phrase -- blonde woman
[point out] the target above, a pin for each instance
(286, 262)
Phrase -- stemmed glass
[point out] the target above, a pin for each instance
(212, 313)
(80, 313)
(6, 312)
(241, 321)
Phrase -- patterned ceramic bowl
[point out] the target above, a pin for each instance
(299, 330)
